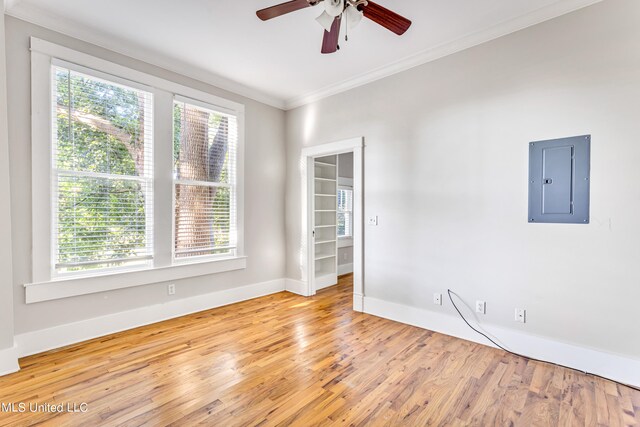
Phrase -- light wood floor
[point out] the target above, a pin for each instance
(289, 360)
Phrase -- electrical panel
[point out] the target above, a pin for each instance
(559, 180)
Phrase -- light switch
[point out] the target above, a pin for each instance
(373, 220)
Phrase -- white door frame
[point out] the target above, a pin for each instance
(355, 145)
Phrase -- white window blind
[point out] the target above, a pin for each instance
(102, 196)
(205, 220)
(345, 212)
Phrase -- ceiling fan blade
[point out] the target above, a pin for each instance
(282, 9)
(330, 39)
(383, 16)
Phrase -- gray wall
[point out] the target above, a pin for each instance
(264, 193)
(345, 255)
(446, 172)
(345, 165)
(6, 282)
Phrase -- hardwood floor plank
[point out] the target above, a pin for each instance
(288, 360)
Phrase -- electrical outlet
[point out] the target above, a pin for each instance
(171, 289)
(437, 299)
(521, 315)
(481, 307)
(373, 220)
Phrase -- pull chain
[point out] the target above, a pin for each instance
(346, 28)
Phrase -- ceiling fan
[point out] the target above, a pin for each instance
(335, 11)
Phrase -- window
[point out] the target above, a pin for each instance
(102, 167)
(204, 144)
(132, 176)
(345, 212)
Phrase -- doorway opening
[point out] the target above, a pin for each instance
(334, 216)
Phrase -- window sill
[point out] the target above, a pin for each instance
(70, 287)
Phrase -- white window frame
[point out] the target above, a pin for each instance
(234, 194)
(148, 137)
(346, 241)
(44, 285)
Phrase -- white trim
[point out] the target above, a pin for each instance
(71, 333)
(235, 185)
(100, 175)
(9, 361)
(331, 148)
(204, 106)
(105, 67)
(44, 54)
(536, 17)
(345, 268)
(94, 73)
(201, 183)
(8, 4)
(325, 281)
(297, 287)
(355, 145)
(65, 288)
(41, 168)
(239, 193)
(163, 179)
(617, 367)
(33, 14)
(308, 221)
(358, 302)
(358, 221)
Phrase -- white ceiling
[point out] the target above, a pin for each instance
(279, 61)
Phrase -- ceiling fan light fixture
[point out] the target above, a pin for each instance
(325, 20)
(334, 7)
(354, 11)
(354, 16)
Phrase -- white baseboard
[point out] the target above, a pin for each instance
(345, 269)
(9, 361)
(59, 336)
(326, 281)
(358, 303)
(616, 367)
(297, 287)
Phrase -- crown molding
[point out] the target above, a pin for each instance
(21, 10)
(536, 17)
(8, 4)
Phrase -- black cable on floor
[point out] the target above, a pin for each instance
(531, 358)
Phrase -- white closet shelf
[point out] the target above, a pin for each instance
(324, 257)
(324, 241)
(325, 277)
(325, 164)
(325, 249)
